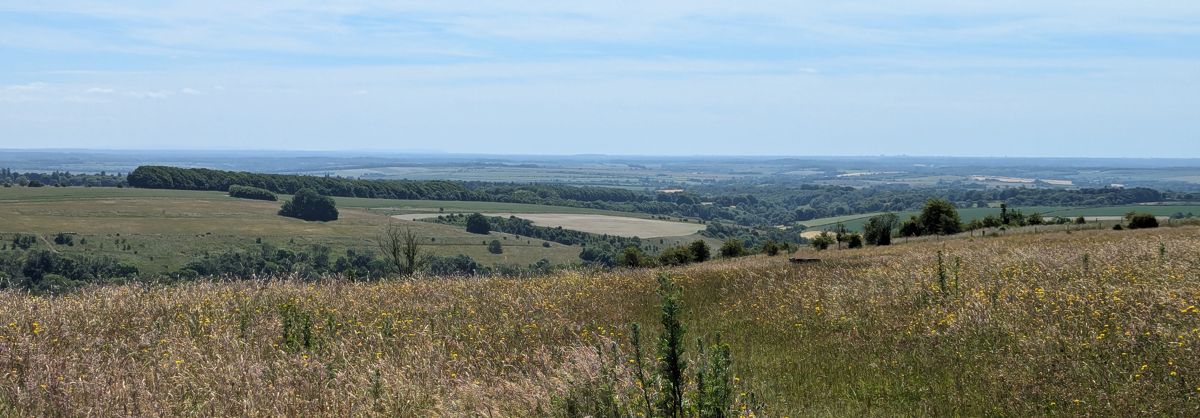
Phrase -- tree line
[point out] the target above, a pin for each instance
(10, 178)
(758, 203)
(163, 177)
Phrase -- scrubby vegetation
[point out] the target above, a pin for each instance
(60, 178)
(1094, 322)
(246, 192)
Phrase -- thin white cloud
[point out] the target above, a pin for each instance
(37, 85)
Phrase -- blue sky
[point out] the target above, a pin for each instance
(922, 77)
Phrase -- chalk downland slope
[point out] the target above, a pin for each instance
(1085, 323)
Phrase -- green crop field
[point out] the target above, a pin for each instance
(161, 230)
(1157, 210)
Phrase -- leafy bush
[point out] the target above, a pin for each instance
(63, 238)
(732, 248)
(459, 265)
(675, 256)
(478, 224)
(700, 251)
(24, 241)
(495, 247)
(878, 229)
(246, 192)
(822, 241)
(771, 248)
(633, 257)
(939, 217)
(310, 206)
(855, 241)
(1142, 221)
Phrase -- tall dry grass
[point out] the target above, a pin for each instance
(1023, 326)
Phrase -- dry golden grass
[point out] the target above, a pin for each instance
(1024, 327)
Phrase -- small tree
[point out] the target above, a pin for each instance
(840, 234)
(771, 248)
(700, 251)
(633, 257)
(911, 227)
(401, 247)
(732, 248)
(939, 217)
(1080, 220)
(306, 204)
(878, 229)
(495, 247)
(478, 224)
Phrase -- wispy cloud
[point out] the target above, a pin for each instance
(661, 76)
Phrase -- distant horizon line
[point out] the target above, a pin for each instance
(429, 152)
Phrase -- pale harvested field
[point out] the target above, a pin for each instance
(596, 224)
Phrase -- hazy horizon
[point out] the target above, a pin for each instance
(435, 154)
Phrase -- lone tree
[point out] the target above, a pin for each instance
(939, 217)
(700, 251)
(878, 229)
(732, 248)
(308, 205)
(401, 248)
(478, 224)
(495, 247)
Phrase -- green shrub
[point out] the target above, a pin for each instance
(246, 192)
(306, 204)
(633, 257)
(771, 248)
(700, 251)
(822, 241)
(732, 248)
(878, 229)
(855, 241)
(675, 256)
(1142, 221)
(63, 238)
(478, 224)
(495, 247)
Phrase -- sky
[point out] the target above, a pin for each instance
(1089, 78)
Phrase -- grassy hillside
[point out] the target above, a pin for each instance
(1083, 323)
(160, 230)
